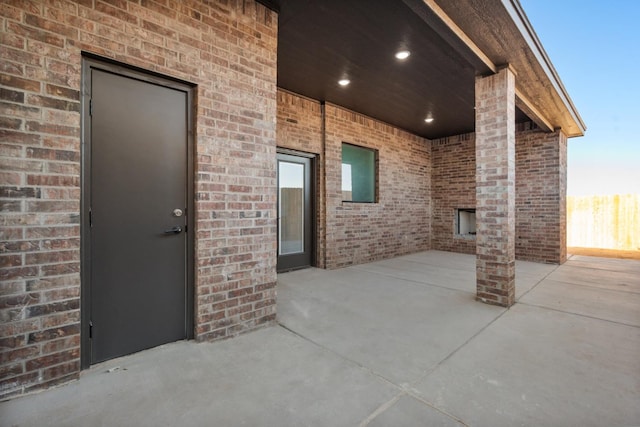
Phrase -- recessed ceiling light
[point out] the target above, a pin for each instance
(429, 119)
(344, 82)
(403, 54)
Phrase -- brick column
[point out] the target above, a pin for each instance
(495, 188)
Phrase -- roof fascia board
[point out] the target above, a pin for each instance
(527, 107)
(460, 40)
(518, 16)
(521, 100)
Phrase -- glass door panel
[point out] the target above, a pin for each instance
(295, 212)
(291, 205)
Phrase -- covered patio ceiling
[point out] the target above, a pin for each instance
(450, 42)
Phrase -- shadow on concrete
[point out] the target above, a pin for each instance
(398, 342)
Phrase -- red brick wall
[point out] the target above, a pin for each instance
(541, 171)
(453, 184)
(299, 127)
(228, 49)
(541, 188)
(355, 233)
(399, 223)
(299, 124)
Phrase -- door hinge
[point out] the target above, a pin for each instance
(90, 218)
(90, 329)
(91, 107)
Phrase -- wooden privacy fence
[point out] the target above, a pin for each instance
(608, 222)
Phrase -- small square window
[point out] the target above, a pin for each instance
(358, 174)
(466, 222)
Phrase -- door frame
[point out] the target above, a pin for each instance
(313, 191)
(90, 62)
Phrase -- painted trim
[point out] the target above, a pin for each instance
(527, 107)
(519, 17)
(461, 34)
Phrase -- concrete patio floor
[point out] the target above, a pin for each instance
(400, 342)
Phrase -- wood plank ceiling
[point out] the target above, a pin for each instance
(323, 41)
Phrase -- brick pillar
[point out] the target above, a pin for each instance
(495, 188)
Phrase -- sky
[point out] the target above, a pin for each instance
(594, 46)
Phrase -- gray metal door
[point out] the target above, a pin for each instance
(138, 201)
(295, 212)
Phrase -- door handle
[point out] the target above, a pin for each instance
(175, 230)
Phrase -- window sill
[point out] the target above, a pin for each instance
(465, 236)
(360, 203)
